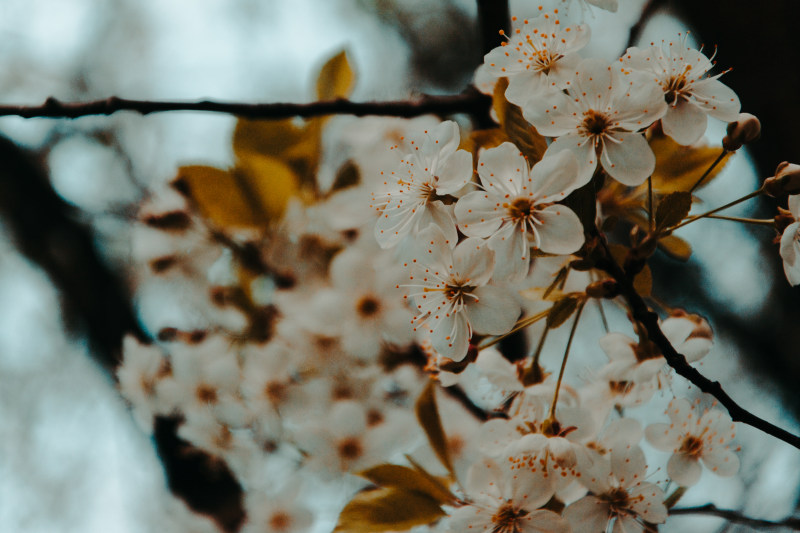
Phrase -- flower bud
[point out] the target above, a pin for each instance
(785, 181)
(607, 288)
(744, 130)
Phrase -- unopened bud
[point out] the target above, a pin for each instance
(606, 288)
(744, 130)
(785, 181)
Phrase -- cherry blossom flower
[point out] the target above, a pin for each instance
(618, 493)
(635, 369)
(362, 307)
(541, 52)
(421, 192)
(692, 94)
(505, 499)
(516, 209)
(452, 294)
(598, 117)
(691, 439)
(790, 243)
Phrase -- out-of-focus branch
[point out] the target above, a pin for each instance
(470, 102)
(736, 517)
(650, 8)
(677, 361)
(493, 16)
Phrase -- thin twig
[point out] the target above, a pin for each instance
(649, 9)
(677, 361)
(471, 102)
(736, 517)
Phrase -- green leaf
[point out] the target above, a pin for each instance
(428, 415)
(387, 509)
(672, 208)
(410, 479)
(336, 78)
(517, 129)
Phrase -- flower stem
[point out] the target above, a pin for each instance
(650, 215)
(709, 169)
(757, 221)
(521, 324)
(552, 415)
(726, 206)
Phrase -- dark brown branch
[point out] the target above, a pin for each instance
(493, 16)
(736, 517)
(677, 361)
(471, 102)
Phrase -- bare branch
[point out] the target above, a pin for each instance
(736, 517)
(677, 361)
(471, 102)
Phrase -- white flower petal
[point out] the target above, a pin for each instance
(684, 122)
(503, 169)
(561, 231)
(629, 160)
(584, 154)
(477, 214)
(684, 470)
(494, 312)
(717, 99)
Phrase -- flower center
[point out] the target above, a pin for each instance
(520, 209)
(507, 519)
(618, 499)
(543, 59)
(280, 521)
(595, 123)
(350, 449)
(206, 393)
(692, 446)
(676, 86)
(368, 306)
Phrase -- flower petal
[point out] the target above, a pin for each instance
(494, 312)
(629, 160)
(684, 122)
(561, 231)
(684, 470)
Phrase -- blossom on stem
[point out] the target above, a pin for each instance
(617, 492)
(505, 499)
(691, 439)
(682, 73)
(516, 209)
(598, 116)
(790, 243)
(420, 192)
(539, 53)
(451, 293)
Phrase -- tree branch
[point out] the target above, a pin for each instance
(650, 8)
(677, 361)
(470, 102)
(736, 517)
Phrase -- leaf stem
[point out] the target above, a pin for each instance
(552, 415)
(756, 221)
(709, 213)
(521, 324)
(709, 169)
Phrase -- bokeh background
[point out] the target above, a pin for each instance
(71, 457)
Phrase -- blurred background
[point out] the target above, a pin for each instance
(71, 457)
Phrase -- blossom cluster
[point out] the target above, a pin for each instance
(319, 334)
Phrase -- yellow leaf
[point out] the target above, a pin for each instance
(410, 479)
(678, 167)
(517, 129)
(672, 208)
(270, 182)
(336, 78)
(675, 247)
(219, 196)
(428, 416)
(387, 509)
(266, 137)
(562, 309)
(643, 282)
